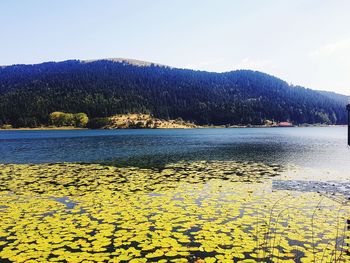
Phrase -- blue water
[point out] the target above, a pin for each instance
(310, 147)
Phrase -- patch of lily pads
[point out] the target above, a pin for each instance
(219, 211)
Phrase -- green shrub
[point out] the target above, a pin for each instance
(6, 126)
(98, 123)
(60, 119)
(80, 119)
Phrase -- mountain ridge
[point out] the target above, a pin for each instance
(131, 61)
(105, 87)
(144, 63)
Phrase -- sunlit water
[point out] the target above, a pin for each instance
(318, 147)
(200, 195)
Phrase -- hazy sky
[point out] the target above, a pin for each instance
(305, 42)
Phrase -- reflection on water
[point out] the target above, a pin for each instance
(323, 147)
(339, 191)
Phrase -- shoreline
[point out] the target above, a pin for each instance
(44, 129)
(162, 128)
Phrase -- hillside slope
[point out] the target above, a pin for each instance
(342, 99)
(139, 121)
(102, 88)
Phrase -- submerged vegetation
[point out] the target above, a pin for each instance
(219, 211)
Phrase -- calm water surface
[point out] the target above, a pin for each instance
(320, 147)
(190, 210)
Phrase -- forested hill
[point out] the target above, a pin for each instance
(100, 88)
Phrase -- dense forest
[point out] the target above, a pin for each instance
(101, 88)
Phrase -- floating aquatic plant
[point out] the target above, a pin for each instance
(186, 212)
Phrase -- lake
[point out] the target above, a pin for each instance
(193, 195)
(323, 147)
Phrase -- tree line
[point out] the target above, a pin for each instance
(60, 119)
(30, 93)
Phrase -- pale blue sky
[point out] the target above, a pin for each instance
(305, 42)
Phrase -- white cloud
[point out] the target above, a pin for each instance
(222, 65)
(340, 47)
(204, 65)
(255, 64)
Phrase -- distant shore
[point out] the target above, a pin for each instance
(59, 121)
(197, 127)
(49, 128)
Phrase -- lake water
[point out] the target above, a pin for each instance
(195, 195)
(317, 147)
